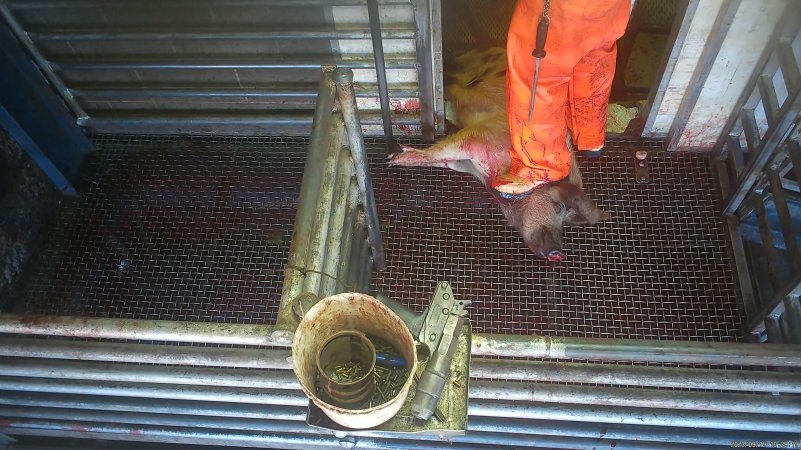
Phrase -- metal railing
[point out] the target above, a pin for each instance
(336, 243)
(759, 166)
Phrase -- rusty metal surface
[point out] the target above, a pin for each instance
(658, 270)
(176, 229)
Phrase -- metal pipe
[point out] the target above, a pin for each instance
(280, 439)
(146, 353)
(253, 64)
(337, 227)
(297, 414)
(123, 92)
(344, 81)
(792, 316)
(137, 373)
(136, 329)
(343, 272)
(307, 202)
(635, 397)
(767, 149)
(612, 374)
(425, 71)
(156, 391)
(687, 352)
(143, 405)
(612, 431)
(638, 416)
(318, 250)
(381, 72)
(43, 64)
(126, 35)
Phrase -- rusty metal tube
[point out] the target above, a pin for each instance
(137, 329)
(343, 78)
(318, 248)
(343, 271)
(718, 379)
(155, 391)
(146, 353)
(138, 373)
(637, 416)
(636, 350)
(319, 143)
(635, 397)
(337, 227)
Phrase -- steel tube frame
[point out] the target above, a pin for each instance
(347, 101)
(337, 226)
(635, 350)
(612, 374)
(318, 240)
(638, 416)
(476, 423)
(483, 344)
(156, 391)
(635, 397)
(146, 353)
(381, 72)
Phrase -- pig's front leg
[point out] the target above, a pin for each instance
(437, 155)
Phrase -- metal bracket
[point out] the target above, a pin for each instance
(641, 167)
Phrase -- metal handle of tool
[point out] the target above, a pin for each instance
(539, 53)
(542, 35)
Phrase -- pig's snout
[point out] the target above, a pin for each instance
(556, 256)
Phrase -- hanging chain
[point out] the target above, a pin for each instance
(545, 10)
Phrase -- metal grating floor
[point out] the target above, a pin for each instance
(659, 270)
(175, 228)
(199, 229)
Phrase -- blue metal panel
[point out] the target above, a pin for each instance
(36, 117)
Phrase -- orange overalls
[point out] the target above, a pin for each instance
(574, 84)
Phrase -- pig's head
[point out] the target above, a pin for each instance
(540, 216)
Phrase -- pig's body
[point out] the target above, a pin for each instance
(481, 148)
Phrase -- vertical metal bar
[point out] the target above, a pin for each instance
(724, 179)
(792, 317)
(343, 273)
(750, 302)
(381, 72)
(712, 46)
(751, 130)
(309, 195)
(774, 329)
(735, 154)
(785, 220)
(678, 34)
(44, 65)
(347, 101)
(794, 150)
(789, 65)
(436, 48)
(770, 103)
(767, 149)
(337, 227)
(318, 250)
(425, 82)
(770, 252)
(773, 306)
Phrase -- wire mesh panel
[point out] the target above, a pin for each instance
(658, 270)
(179, 229)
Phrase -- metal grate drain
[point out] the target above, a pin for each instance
(176, 228)
(199, 229)
(659, 270)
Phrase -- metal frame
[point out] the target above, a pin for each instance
(754, 173)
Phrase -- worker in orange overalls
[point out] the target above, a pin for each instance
(573, 87)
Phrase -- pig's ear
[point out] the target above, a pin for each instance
(580, 209)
